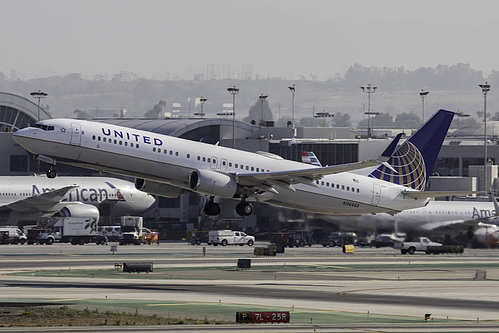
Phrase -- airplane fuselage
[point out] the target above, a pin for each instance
(175, 162)
(90, 190)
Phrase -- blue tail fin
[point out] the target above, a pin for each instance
(414, 159)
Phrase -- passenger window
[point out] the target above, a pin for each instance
(342, 187)
(188, 155)
(252, 168)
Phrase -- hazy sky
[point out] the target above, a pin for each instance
(279, 38)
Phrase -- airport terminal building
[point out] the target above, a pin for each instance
(461, 158)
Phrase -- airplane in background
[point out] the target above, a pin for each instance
(31, 198)
(450, 218)
(169, 166)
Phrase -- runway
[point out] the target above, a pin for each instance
(318, 286)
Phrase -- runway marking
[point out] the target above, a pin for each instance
(168, 304)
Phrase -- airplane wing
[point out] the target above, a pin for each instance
(436, 194)
(39, 202)
(286, 179)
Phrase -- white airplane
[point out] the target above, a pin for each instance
(435, 217)
(29, 198)
(168, 166)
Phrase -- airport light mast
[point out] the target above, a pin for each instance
(292, 89)
(369, 90)
(233, 91)
(262, 98)
(423, 96)
(38, 95)
(201, 101)
(485, 89)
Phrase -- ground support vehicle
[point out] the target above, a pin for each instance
(340, 238)
(150, 236)
(74, 230)
(229, 237)
(131, 229)
(417, 244)
(198, 236)
(12, 235)
(33, 235)
(300, 238)
(111, 232)
(449, 249)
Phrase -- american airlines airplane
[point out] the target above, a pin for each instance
(437, 217)
(29, 198)
(169, 166)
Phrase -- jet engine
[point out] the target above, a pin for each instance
(78, 209)
(213, 183)
(156, 188)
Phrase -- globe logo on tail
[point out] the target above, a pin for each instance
(409, 164)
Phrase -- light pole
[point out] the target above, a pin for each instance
(201, 101)
(485, 89)
(292, 89)
(459, 115)
(38, 95)
(369, 90)
(423, 95)
(233, 91)
(262, 98)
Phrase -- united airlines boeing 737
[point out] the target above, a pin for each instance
(168, 166)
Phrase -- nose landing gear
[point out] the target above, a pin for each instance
(51, 173)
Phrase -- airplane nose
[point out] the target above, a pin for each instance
(21, 135)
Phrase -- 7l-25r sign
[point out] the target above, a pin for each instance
(262, 317)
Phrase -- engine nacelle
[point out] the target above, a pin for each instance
(213, 183)
(161, 189)
(78, 209)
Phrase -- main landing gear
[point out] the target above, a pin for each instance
(212, 208)
(244, 208)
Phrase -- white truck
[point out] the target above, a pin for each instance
(74, 230)
(131, 230)
(12, 235)
(418, 244)
(229, 237)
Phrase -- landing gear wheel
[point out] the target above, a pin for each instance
(51, 173)
(212, 208)
(244, 208)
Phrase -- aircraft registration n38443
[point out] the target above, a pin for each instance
(169, 166)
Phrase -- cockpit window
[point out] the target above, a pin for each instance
(43, 127)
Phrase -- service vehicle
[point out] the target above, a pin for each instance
(417, 244)
(112, 232)
(229, 237)
(74, 230)
(340, 238)
(12, 235)
(131, 230)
